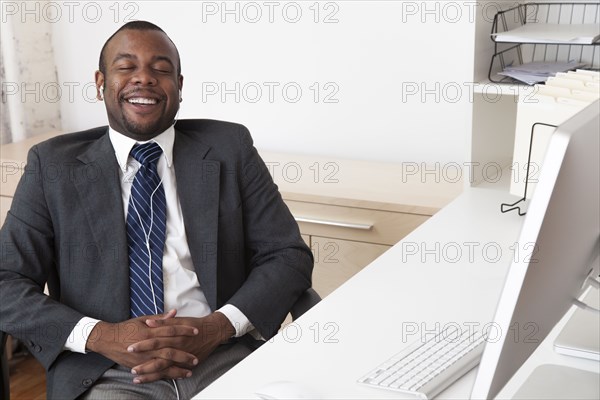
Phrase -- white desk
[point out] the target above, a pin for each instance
(375, 313)
(392, 301)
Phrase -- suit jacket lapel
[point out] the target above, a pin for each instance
(198, 190)
(97, 182)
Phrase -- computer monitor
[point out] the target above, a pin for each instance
(562, 226)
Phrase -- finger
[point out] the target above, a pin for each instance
(151, 371)
(161, 317)
(153, 323)
(170, 314)
(156, 344)
(168, 349)
(179, 357)
(173, 356)
(171, 373)
(160, 330)
(166, 316)
(154, 365)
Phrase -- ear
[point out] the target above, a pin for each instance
(99, 78)
(180, 88)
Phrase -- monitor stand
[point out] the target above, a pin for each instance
(580, 337)
(550, 381)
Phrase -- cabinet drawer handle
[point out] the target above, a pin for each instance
(362, 227)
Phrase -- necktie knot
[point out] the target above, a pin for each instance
(147, 153)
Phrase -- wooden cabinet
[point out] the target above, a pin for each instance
(353, 223)
(350, 212)
(12, 167)
(337, 260)
(345, 239)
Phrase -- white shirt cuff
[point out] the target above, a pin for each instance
(79, 335)
(239, 321)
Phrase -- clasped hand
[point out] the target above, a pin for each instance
(160, 346)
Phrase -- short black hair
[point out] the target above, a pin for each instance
(136, 26)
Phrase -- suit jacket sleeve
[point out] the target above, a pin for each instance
(28, 261)
(278, 261)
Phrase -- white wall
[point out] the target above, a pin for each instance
(376, 58)
(30, 98)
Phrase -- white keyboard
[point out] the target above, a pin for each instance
(426, 368)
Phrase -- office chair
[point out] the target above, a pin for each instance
(304, 303)
(4, 385)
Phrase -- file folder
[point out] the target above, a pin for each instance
(552, 104)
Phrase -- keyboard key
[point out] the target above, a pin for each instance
(425, 369)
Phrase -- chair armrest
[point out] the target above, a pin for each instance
(306, 301)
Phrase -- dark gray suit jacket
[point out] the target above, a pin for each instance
(66, 227)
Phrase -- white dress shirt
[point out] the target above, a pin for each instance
(182, 289)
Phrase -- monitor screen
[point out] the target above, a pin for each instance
(563, 225)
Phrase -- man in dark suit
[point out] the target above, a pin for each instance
(233, 261)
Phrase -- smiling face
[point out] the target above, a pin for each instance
(141, 83)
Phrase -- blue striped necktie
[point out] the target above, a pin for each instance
(146, 225)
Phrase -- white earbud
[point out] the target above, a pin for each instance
(100, 95)
(180, 98)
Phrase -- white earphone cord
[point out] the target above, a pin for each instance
(147, 237)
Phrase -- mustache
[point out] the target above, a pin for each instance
(141, 92)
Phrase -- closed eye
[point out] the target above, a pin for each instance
(163, 67)
(126, 68)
